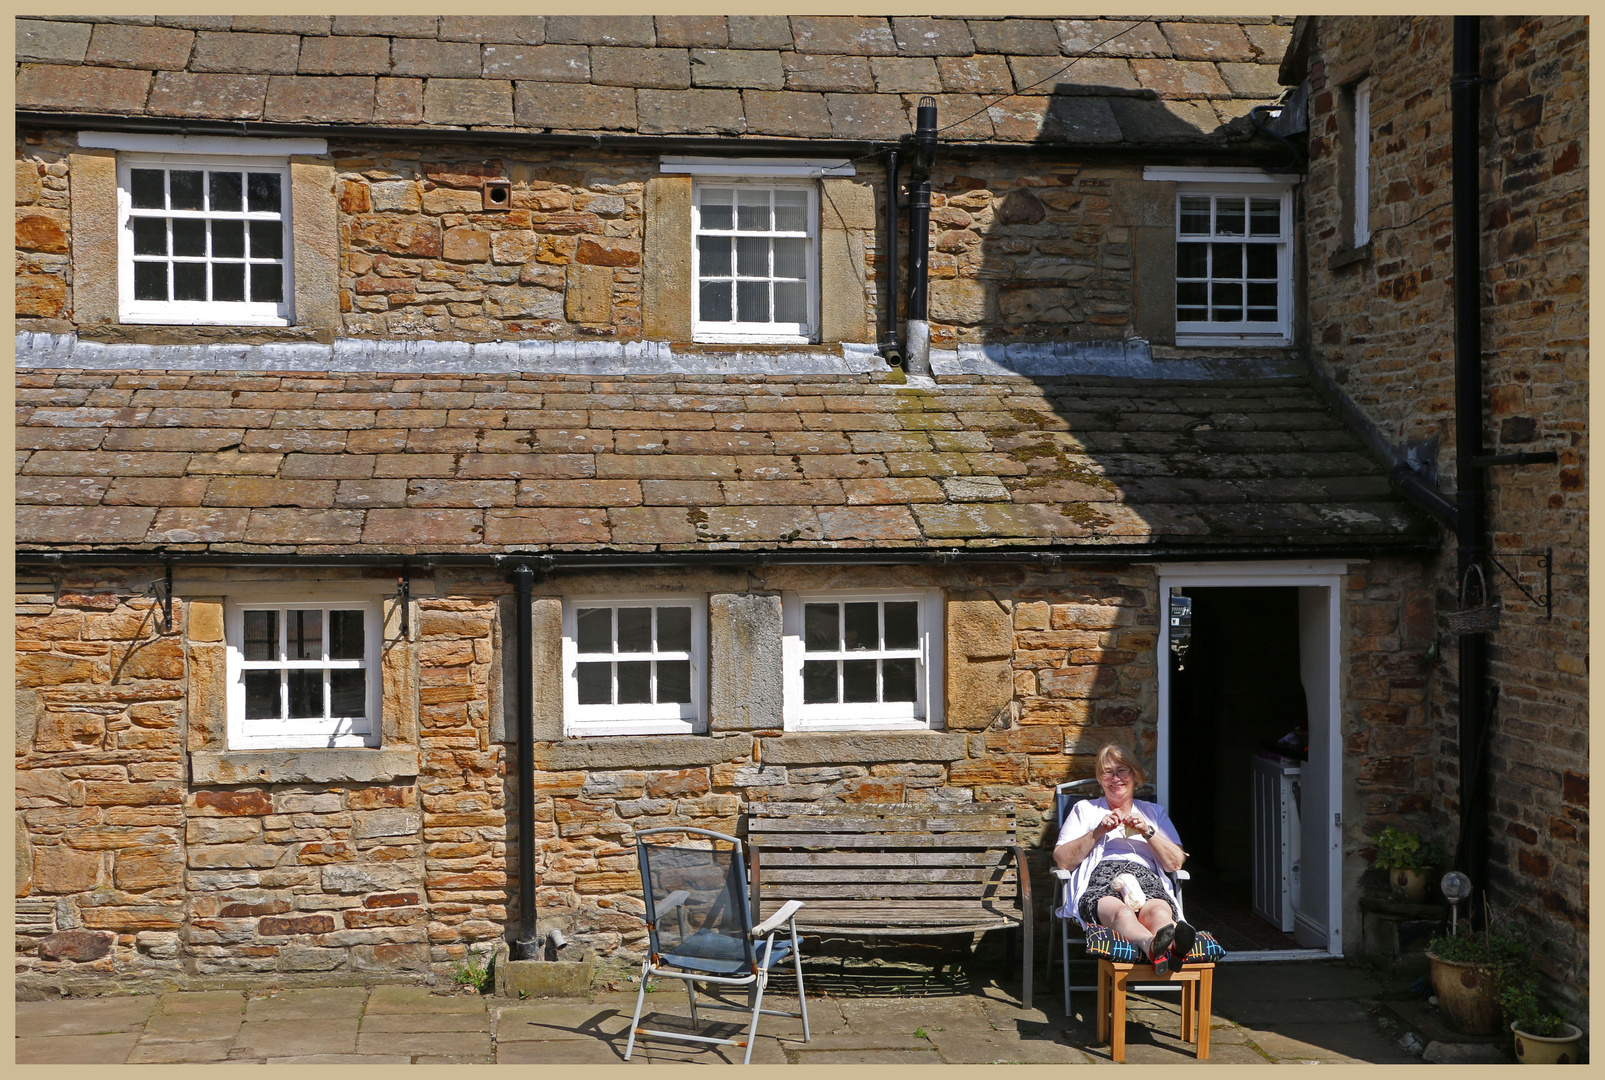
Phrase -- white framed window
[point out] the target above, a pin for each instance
(204, 239)
(862, 659)
(755, 261)
(634, 665)
(303, 673)
(1234, 264)
(1362, 162)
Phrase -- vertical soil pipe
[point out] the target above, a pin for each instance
(1470, 499)
(918, 343)
(889, 350)
(526, 946)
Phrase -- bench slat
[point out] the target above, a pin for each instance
(884, 891)
(880, 840)
(848, 874)
(880, 826)
(772, 858)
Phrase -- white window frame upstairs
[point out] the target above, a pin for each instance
(205, 312)
(924, 713)
(1205, 332)
(306, 732)
(1362, 162)
(650, 718)
(755, 332)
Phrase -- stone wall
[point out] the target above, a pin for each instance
(1381, 328)
(132, 868)
(1020, 251)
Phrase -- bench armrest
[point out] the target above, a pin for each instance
(787, 911)
(1024, 874)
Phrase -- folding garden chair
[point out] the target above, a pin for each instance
(699, 927)
(1066, 795)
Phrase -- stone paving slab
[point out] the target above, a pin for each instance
(553, 1023)
(426, 1022)
(869, 1056)
(192, 1027)
(342, 1059)
(156, 1052)
(418, 1000)
(437, 1043)
(1351, 1042)
(320, 1004)
(297, 1037)
(83, 1016)
(201, 1001)
(108, 1049)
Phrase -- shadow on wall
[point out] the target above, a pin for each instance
(1077, 248)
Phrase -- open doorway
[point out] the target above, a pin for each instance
(1247, 752)
(1235, 694)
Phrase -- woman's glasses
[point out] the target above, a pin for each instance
(1118, 773)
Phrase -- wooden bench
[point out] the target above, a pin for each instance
(893, 869)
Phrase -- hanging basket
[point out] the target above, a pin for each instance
(1474, 620)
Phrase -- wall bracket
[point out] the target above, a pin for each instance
(1546, 563)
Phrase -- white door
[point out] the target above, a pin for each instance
(1318, 919)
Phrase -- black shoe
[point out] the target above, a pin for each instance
(1159, 949)
(1182, 944)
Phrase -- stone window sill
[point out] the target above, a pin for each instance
(316, 766)
(848, 747)
(1349, 256)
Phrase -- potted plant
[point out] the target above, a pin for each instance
(1543, 1037)
(1469, 971)
(1406, 859)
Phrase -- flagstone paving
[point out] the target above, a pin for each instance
(1265, 1014)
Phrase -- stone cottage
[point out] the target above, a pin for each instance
(1383, 343)
(395, 389)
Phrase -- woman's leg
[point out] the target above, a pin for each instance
(1156, 913)
(1113, 913)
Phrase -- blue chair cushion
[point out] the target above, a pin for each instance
(1104, 944)
(721, 954)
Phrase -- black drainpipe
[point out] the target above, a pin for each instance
(889, 349)
(526, 945)
(918, 339)
(1470, 500)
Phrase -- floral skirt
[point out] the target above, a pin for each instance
(1101, 884)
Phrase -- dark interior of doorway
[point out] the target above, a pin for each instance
(1234, 691)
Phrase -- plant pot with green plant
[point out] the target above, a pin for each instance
(1543, 1037)
(1469, 970)
(1407, 860)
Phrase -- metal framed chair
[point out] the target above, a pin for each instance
(1065, 796)
(699, 929)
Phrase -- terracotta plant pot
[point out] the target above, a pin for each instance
(1410, 885)
(1468, 996)
(1547, 1049)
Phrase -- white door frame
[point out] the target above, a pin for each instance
(1296, 573)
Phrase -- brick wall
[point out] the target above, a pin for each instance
(1381, 329)
(143, 873)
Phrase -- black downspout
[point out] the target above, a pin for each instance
(526, 946)
(918, 343)
(889, 350)
(1470, 504)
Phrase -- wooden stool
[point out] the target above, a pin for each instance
(1197, 992)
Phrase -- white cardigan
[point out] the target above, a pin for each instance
(1082, 819)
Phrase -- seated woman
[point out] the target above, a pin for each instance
(1110, 837)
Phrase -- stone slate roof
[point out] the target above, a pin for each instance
(1166, 81)
(253, 462)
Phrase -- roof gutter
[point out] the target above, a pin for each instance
(1236, 153)
(551, 561)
